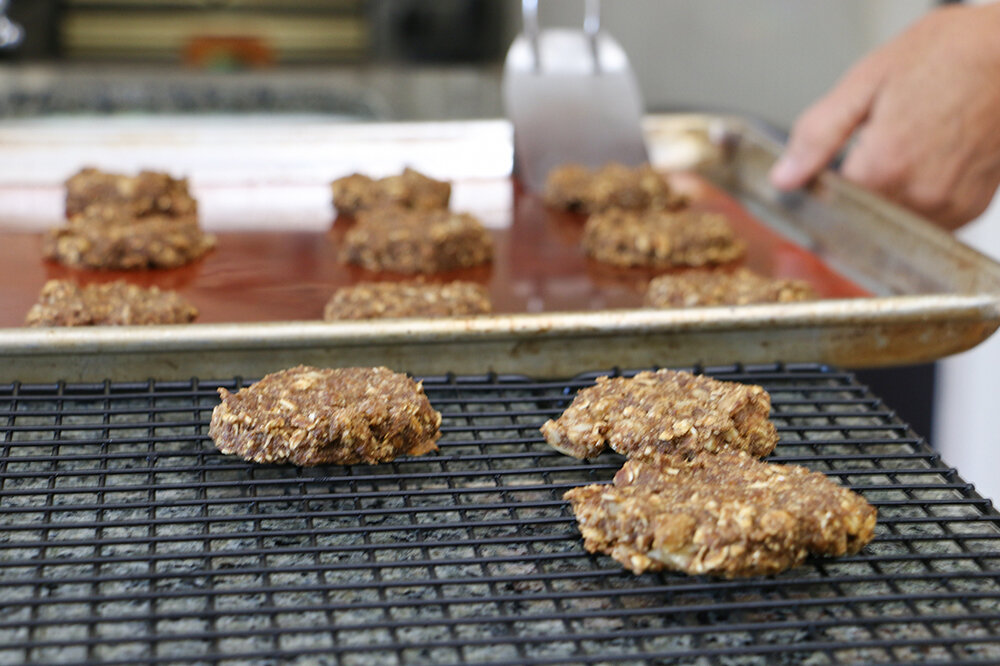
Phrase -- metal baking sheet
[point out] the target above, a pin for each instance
(930, 296)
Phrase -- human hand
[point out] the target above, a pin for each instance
(925, 113)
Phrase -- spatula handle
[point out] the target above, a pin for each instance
(591, 27)
(529, 13)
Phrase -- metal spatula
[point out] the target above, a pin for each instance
(572, 97)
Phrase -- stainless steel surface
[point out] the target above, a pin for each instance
(932, 295)
(572, 97)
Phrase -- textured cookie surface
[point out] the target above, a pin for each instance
(376, 300)
(312, 416)
(660, 239)
(740, 287)
(64, 303)
(576, 188)
(410, 189)
(103, 239)
(127, 222)
(405, 241)
(148, 193)
(725, 514)
(667, 410)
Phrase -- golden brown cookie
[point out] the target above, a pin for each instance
(409, 241)
(64, 303)
(149, 193)
(725, 514)
(576, 188)
(660, 239)
(740, 287)
(127, 222)
(379, 300)
(410, 189)
(667, 410)
(312, 416)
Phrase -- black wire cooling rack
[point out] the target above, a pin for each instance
(126, 538)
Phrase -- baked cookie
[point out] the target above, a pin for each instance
(149, 193)
(660, 239)
(64, 303)
(411, 241)
(667, 410)
(726, 514)
(740, 287)
(105, 238)
(410, 189)
(127, 222)
(576, 188)
(380, 300)
(311, 416)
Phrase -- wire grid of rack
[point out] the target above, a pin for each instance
(125, 537)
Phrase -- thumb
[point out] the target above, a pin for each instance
(822, 129)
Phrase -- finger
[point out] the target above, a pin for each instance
(823, 129)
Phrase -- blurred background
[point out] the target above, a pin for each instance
(403, 59)
(441, 59)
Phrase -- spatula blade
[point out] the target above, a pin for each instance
(566, 109)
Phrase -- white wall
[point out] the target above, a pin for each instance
(968, 388)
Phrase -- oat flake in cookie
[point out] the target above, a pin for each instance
(576, 188)
(382, 300)
(311, 416)
(64, 303)
(725, 514)
(411, 189)
(741, 287)
(660, 239)
(405, 241)
(667, 410)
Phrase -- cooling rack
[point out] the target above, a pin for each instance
(126, 538)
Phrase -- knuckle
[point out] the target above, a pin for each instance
(970, 209)
(932, 197)
(881, 174)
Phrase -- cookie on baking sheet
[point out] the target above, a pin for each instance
(411, 241)
(121, 222)
(726, 514)
(64, 303)
(667, 410)
(660, 238)
(312, 416)
(382, 300)
(148, 193)
(740, 287)
(105, 238)
(410, 189)
(576, 188)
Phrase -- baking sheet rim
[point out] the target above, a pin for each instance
(899, 310)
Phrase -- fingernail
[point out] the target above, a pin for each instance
(785, 173)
